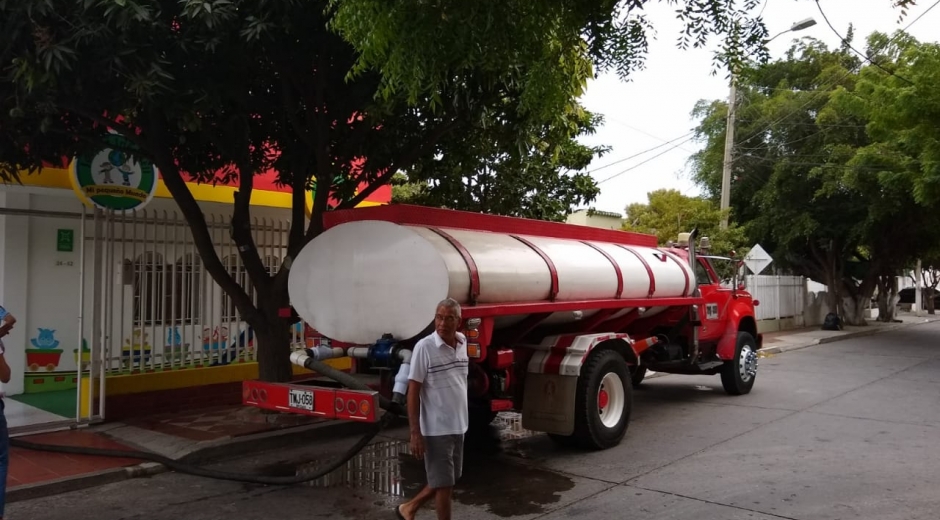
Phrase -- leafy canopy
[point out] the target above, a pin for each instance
(819, 177)
(510, 168)
(669, 213)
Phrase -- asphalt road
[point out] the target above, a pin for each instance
(838, 431)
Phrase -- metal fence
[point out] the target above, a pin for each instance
(780, 297)
(162, 310)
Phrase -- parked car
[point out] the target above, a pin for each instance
(907, 296)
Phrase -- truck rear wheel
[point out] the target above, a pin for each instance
(603, 401)
(738, 375)
(637, 373)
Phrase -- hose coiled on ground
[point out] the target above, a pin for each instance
(392, 411)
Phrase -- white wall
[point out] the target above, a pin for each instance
(14, 232)
(54, 278)
(42, 286)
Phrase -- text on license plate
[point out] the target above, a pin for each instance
(302, 399)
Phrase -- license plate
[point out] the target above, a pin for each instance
(302, 399)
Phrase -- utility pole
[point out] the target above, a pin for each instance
(726, 165)
(729, 131)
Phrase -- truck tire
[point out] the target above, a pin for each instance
(738, 375)
(637, 373)
(603, 401)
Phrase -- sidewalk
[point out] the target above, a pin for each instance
(795, 339)
(209, 434)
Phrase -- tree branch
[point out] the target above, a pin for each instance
(291, 109)
(202, 239)
(296, 241)
(241, 223)
(406, 160)
(321, 199)
(126, 131)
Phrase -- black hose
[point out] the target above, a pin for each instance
(198, 471)
(393, 410)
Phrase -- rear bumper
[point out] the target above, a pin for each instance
(313, 398)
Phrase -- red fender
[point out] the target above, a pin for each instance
(737, 311)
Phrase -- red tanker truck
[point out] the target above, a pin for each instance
(562, 320)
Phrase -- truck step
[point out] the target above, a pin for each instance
(709, 365)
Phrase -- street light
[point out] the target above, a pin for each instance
(729, 130)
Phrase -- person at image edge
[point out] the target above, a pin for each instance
(8, 320)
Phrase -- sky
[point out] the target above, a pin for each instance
(654, 105)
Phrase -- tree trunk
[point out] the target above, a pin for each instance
(887, 298)
(273, 347)
(832, 293)
(273, 335)
(855, 310)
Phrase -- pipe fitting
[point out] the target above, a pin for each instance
(358, 352)
(400, 390)
(299, 358)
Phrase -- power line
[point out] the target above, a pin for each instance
(823, 88)
(644, 162)
(640, 130)
(849, 45)
(643, 152)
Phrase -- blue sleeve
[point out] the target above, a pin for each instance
(3, 312)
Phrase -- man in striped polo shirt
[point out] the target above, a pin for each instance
(437, 410)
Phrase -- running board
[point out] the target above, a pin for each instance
(683, 367)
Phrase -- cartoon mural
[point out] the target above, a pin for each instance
(136, 350)
(117, 159)
(175, 352)
(85, 357)
(214, 343)
(45, 355)
(44, 364)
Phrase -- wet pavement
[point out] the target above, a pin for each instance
(840, 431)
(387, 470)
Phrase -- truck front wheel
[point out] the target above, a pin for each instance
(738, 374)
(604, 400)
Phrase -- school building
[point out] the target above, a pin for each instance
(116, 313)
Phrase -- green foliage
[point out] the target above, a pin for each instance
(669, 213)
(903, 110)
(512, 168)
(546, 48)
(826, 154)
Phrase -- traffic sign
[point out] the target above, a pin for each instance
(757, 259)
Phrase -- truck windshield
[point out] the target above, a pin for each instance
(724, 268)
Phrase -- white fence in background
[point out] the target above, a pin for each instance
(162, 310)
(780, 297)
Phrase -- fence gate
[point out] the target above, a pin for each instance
(91, 361)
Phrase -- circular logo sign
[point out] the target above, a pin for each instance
(112, 180)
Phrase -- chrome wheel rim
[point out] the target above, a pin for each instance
(747, 363)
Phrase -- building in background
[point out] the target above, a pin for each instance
(122, 294)
(595, 218)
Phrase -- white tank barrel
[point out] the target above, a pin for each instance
(360, 280)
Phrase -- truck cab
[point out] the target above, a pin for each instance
(726, 330)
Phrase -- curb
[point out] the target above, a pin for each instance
(80, 482)
(848, 335)
(201, 453)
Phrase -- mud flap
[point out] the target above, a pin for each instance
(548, 403)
